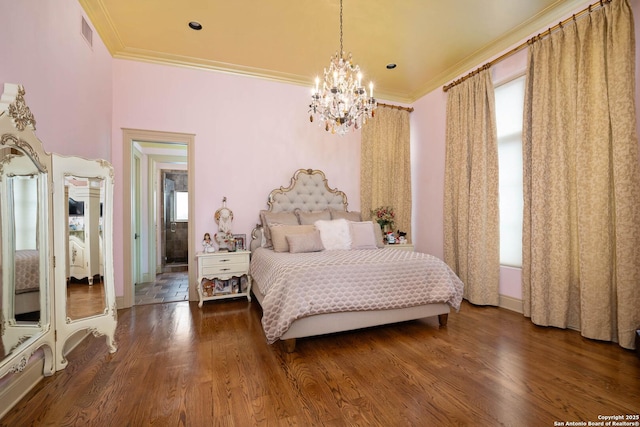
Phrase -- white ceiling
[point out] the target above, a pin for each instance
(431, 41)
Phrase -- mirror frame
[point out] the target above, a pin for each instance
(17, 130)
(103, 324)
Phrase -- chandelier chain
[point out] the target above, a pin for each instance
(341, 50)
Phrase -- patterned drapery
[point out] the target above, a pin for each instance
(471, 224)
(581, 230)
(385, 166)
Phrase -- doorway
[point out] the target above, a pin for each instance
(174, 219)
(144, 202)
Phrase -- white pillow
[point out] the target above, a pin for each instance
(363, 235)
(335, 234)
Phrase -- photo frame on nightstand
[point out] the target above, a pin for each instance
(222, 286)
(241, 240)
(234, 285)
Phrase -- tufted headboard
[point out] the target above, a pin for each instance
(308, 192)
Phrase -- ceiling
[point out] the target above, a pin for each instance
(431, 41)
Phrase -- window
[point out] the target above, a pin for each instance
(509, 99)
(182, 206)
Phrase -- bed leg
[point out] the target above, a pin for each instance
(289, 345)
(442, 319)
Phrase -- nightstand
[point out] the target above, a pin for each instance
(401, 246)
(223, 275)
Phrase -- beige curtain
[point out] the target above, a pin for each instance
(581, 231)
(385, 166)
(471, 218)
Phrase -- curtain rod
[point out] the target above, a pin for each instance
(533, 39)
(409, 109)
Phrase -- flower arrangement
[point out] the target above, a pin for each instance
(385, 216)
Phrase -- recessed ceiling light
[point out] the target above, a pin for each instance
(194, 25)
(391, 66)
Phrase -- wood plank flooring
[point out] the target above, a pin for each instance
(178, 365)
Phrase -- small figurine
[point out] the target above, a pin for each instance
(391, 239)
(207, 243)
(402, 237)
(223, 217)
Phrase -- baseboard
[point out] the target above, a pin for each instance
(511, 303)
(120, 302)
(20, 384)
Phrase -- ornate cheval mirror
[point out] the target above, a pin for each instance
(83, 245)
(26, 312)
(56, 217)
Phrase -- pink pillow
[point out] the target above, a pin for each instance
(307, 242)
(363, 235)
(279, 233)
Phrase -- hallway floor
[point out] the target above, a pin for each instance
(168, 287)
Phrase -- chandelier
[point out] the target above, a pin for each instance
(342, 101)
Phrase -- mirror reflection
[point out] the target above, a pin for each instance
(21, 260)
(85, 263)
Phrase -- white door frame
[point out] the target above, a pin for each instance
(129, 136)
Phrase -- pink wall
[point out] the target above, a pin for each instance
(251, 135)
(67, 83)
(428, 123)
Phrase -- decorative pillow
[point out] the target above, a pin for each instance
(306, 218)
(269, 218)
(335, 234)
(307, 242)
(379, 235)
(363, 235)
(350, 216)
(279, 233)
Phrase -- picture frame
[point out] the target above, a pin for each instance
(241, 240)
(234, 284)
(222, 287)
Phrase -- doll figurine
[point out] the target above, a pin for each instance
(207, 243)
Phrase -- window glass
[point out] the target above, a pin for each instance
(182, 205)
(509, 98)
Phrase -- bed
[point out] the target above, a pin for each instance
(317, 268)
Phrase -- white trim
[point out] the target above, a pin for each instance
(511, 303)
(129, 136)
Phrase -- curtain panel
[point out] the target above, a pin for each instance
(385, 166)
(471, 215)
(581, 225)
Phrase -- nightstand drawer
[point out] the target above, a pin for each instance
(229, 268)
(224, 259)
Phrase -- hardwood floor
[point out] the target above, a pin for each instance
(180, 365)
(85, 300)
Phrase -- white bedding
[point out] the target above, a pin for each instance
(305, 284)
